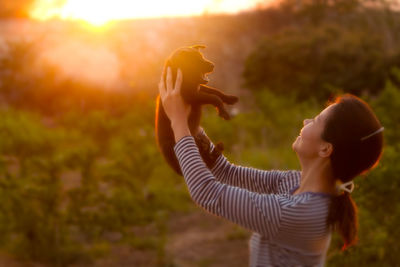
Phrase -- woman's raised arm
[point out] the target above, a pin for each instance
(259, 213)
(252, 179)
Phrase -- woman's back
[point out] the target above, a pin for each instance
(303, 236)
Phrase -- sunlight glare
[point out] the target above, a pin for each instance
(99, 12)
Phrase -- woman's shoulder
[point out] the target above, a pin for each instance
(290, 179)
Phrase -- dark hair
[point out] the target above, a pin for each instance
(350, 120)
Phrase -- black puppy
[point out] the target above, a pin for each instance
(194, 91)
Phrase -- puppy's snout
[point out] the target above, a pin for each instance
(209, 66)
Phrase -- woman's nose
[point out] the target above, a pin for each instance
(306, 121)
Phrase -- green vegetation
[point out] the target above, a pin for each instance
(118, 180)
(322, 60)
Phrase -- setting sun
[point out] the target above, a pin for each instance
(99, 12)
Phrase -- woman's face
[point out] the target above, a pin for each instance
(309, 143)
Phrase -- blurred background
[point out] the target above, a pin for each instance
(82, 182)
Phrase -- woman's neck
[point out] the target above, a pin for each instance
(317, 176)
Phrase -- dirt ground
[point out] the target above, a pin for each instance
(202, 239)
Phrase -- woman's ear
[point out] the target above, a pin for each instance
(325, 149)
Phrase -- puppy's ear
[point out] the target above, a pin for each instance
(198, 46)
(167, 64)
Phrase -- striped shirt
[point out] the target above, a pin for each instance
(288, 230)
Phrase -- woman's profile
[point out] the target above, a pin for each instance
(291, 213)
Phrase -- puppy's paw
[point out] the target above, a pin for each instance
(217, 151)
(219, 147)
(231, 99)
(223, 114)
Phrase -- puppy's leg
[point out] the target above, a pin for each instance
(228, 99)
(209, 157)
(203, 98)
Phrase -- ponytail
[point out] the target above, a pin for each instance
(343, 218)
(356, 135)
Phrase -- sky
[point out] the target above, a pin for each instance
(102, 11)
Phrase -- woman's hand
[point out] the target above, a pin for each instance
(174, 106)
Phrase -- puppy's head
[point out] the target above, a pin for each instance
(192, 63)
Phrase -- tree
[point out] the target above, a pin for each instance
(319, 61)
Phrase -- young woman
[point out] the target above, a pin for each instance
(291, 213)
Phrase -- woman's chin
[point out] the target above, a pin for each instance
(294, 143)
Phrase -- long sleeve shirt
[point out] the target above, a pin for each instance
(288, 230)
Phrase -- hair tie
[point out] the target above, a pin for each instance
(368, 136)
(348, 186)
